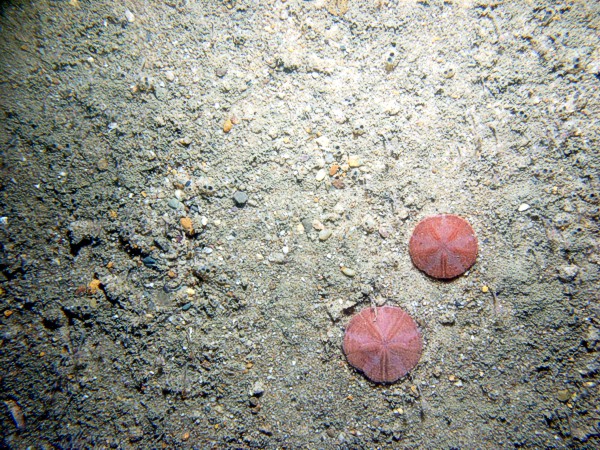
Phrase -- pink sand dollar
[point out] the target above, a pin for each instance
(384, 343)
(443, 246)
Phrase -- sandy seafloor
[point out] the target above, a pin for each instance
(295, 138)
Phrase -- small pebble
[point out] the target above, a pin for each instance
(102, 165)
(325, 234)
(227, 126)
(321, 174)
(568, 273)
(170, 75)
(563, 395)
(174, 203)
(403, 214)
(129, 16)
(523, 207)
(186, 224)
(277, 258)
(258, 389)
(317, 225)
(240, 198)
(385, 231)
(354, 161)
(149, 261)
(348, 272)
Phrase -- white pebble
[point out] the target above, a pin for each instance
(523, 207)
(129, 16)
(321, 174)
(324, 235)
(348, 272)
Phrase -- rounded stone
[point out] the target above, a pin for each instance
(384, 343)
(443, 246)
(240, 198)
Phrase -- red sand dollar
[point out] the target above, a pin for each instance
(443, 246)
(383, 342)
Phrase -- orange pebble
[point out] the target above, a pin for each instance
(186, 224)
(227, 126)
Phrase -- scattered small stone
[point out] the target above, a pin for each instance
(348, 272)
(258, 389)
(186, 306)
(320, 176)
(175, 204)
(102, 165)
(227, 126)
(221, 72)
(568, 273)
(187, 225)
(170, 75)
(325, 234)
(129, 16)
(338, 184)
(403, 214)
(523, 207)
(240, 198)
(317, 225)
(149, 261)
(354, 161)
(185, 141)
(563, 395)
(385, 231)
(277, 258)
